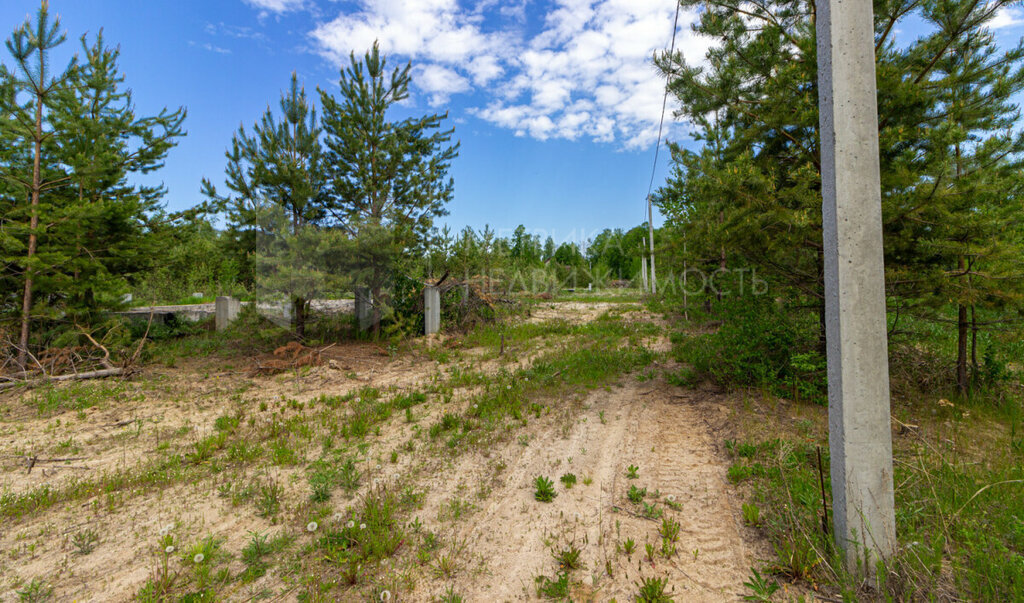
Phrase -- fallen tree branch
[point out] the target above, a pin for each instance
(105, 361)
(110, 372)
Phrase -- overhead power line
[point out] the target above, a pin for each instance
(657, 148)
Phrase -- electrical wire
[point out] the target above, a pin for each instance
(661, 124)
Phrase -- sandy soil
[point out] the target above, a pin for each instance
(646, 425)
(504, 542)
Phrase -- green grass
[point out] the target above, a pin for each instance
(951, 514)
(53, 399)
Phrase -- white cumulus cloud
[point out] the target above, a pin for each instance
(277, 6)
(586, 72)
(1007, 17)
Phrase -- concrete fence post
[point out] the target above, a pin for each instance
(225, 311)
(364, 308)
(431, 309)
(860, 437)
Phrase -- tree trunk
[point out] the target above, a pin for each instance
(961, 349)
(26, 301)
(376, 291)
(299, 309)
(974, 349)
(721, 260)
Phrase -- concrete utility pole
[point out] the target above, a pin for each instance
(431, 309)
(643, 268)
(860, 438)
(650, 238)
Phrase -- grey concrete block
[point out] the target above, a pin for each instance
(432, 309)
(226, 310)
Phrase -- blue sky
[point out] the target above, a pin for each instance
(555, 102)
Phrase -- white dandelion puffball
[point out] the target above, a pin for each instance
(385, 595)
(509, 386)
(311, 526)
(169, 549)
(476, 406)
(362, 526)
(166, 529)
(198, 558)
(671, 498)
(351, 524)
(338, 517)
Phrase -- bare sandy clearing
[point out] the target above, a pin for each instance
(500, 538)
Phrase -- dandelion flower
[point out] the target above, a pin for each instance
(169, 549)
(509, 386)
(476, 406)
(351, 524)
(385, 595)
(198, 558)
(311, 526)
(338, 517)
(362, 526)
(166, 529)
(671, 498)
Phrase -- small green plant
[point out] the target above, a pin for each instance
(636, 495)
(650, 551)
(761, 589)
(652, 590)
(320, 487)
(268, 502)
(568, 559)
(568, 480)
(629, 546)
(450, 596)
(553, 589)
(652, 510)
(668, 548)
(35, 591)
(632, 472)
(446, 566)
(85, 541)
(349, 476)
(252, 556)
(669, 529)
(545, 489)
(751, 514)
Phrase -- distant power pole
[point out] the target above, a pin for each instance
(650, 238)
(643, 267)
(860, 436)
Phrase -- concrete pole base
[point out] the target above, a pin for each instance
(431, 309)
(226, 310)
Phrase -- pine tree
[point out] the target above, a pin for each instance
(949, 162)
(388, 179)
(30, 47)
(277, 208)
(77, 227)
(976, 157)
